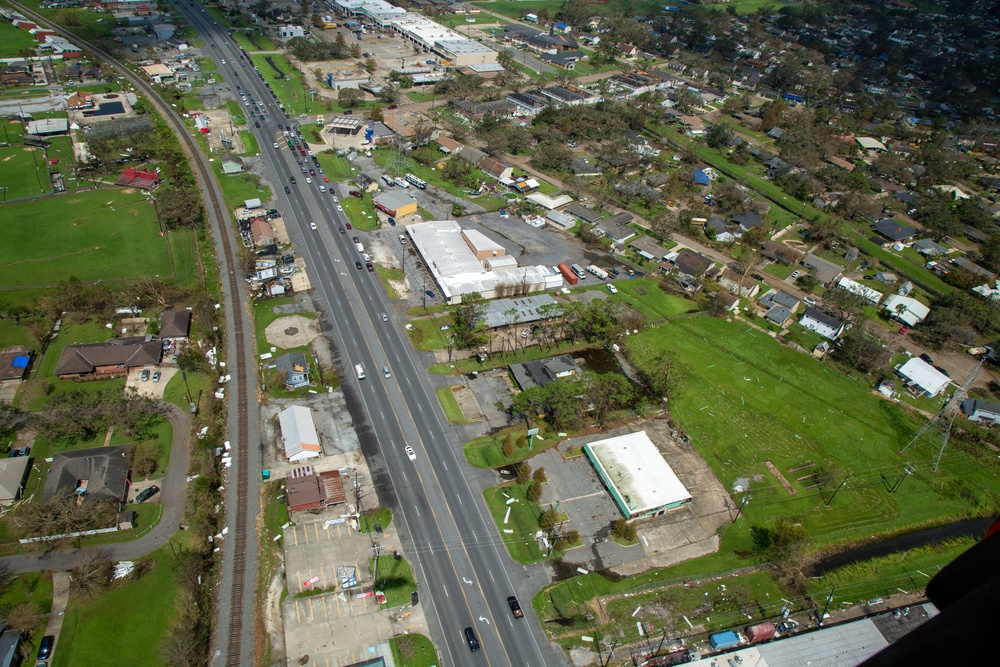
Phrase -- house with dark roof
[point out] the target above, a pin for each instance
(563, 59)
(984, 412)
(894, 231)
(476, 111)
(778, 315)
(743, 286)
(781, 253)
(586, 214)
(822, 269)
(113, 357)
(648, 249)
(970, 267)
(689, 268)
(585, 166)
(540, 372)
(528, 102)
(616, 227)
(822, 323)
(90, 473)
(717, 229)
(10, 643)
(777, 297)
(929, 248)
(175, 324)
(748, 219)
(295, 369)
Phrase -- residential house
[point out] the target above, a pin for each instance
(294, 368)
(744, 286)
(306, 489)
(778, 315)
(648, 249)
(922, 378)
(776, 133)
(563, 59)
(14, 363)
(540, 372)
(825, 325)
(905, 288)
(471, 154)
(717, 229)
(779, 298)
(971, 267)
(175, 324)
(497, 169)
(476, 111)
(616, 227)
(907, 310)
(730, 303)
(13, 474)
(983, 412)
(230, 167)
(929, 248)
(114, 357)
(689, 267)
(748, 220)
(447, 145)
(96, 472)
(528, 102)
(887, 279)
(781, 253)
(866, 293)
(823, 270)
(581, 165)
(583, 212)
(894, 231)
(261, 232)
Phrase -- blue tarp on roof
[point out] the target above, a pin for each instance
(21, 362)
(700, 177)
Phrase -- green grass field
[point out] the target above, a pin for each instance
(22, 168)
(14, 41)
(413, 651)
(516, 10)
(250, 145)
(92, 630)
(745, 400)
(523, 521)
(368, 520)
(104, 234)
(395, 579)
(334, 166)
(450, 406)
(645, 296)
(289, 87)
(427, 334)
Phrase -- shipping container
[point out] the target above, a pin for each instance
(721, 641)
(568, 274)
(760, 632)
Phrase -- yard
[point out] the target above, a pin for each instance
(286, 82)
(395, 579)
(426, 334)
(522, 523)
(747, 403)
(13, 41)
(413, 650)
(92, 629)
(645, 296)
(106, 234)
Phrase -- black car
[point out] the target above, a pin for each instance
(312, 172)
(370, 266)
(343, 231)
(257, 125)
(515, 607)
(471, 640)
(146, 494)
(288, 190)
(356, 239)
(926, 357)
(45, 646)
(358, 265)
(292, 179)
(757, 276)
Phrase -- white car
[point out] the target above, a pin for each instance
(223, 61)
(308, 180)
(322, 188)
(386, 373)
(336, 200)
(412, 455)
(340, 208)
(312, 226)
(275, 144)
(612, 289)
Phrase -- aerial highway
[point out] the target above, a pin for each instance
(464, 575)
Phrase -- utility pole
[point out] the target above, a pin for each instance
(829, 599)
(837, 490)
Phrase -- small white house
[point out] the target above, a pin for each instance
(825, 325)
(923, 378)
(870, 295)
(906, 309)
(289, 31)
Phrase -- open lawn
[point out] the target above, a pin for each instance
(360, 212)
(104, 234)
(497, 360)
(250, 145)
(336, 168)
(285, 82)
(22, 168)
(427, 335)
(745, 400)
(385, 274)
(13, 41)
(395, 579)
(264, 314)
(523, 521)
(450, 406)
(516, 10)
(645, 296)
(388, 160)
(487, 451)
(413, 651)
(92, 629)
(254, 41)
(381, 517)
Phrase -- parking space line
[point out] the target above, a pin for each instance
(311, 616)
(340, 612)
(295, 535)
(305, 534)
(322, 576)
(316, 527)
(298, 615)
(326, 614)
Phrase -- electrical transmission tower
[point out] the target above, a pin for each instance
(937, 431)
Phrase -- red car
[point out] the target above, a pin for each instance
(349, 227)
(326, 180)
(903, 330)
(302, 151)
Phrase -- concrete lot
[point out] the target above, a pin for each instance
(338, 627)
(149, 388)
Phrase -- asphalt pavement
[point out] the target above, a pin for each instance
(464, 574)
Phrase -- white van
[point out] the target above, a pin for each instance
(359, 370)
(360, 247)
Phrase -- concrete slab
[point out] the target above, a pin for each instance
(148, 387)
(292, 331)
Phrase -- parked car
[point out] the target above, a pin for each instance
(810, 301)
(156, 376)
(796, 274)
(612, 289)
(757, 276)
(45, 646)
(145, 374)
(18, 452)
(146, 494)
(429, 293)
(515, 607)
(926, 357)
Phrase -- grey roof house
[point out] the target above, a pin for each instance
(100, 471)
(295, 368)
(893, 230)
(540, 372)
(779, 298)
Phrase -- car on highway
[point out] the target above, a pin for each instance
(471, 639)
(336, 199)
(365, 256)
(349, 227)
(292, 179)
(274, 145)
(343, 231)
(312, 172)
(288, 190)
(146, 494)
(386, 373)
(358, 265)
(354, 238)
(410, 454)
(312, 226)
(385, 318)
(325, 179)
(156, 376)
(223, 61)
(340, 208)
(145, 374)
(370, 266)
(322, 188)
(515, 607)
(256, 124)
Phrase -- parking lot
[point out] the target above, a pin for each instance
(148, 387)
(337, 627)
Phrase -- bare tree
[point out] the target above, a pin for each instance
(92, 575)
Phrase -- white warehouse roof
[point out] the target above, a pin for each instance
(298, 433)
(924, 376)
(638, 477)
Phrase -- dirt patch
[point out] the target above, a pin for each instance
(292, 331)
(468, 404)
(128, 191)
(781, 478)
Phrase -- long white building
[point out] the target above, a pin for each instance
(456, 49)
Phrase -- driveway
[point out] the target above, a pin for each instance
(149, 388)
(173, 491)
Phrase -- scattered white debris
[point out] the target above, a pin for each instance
(123, 569)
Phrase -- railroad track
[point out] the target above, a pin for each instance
(239, 526)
